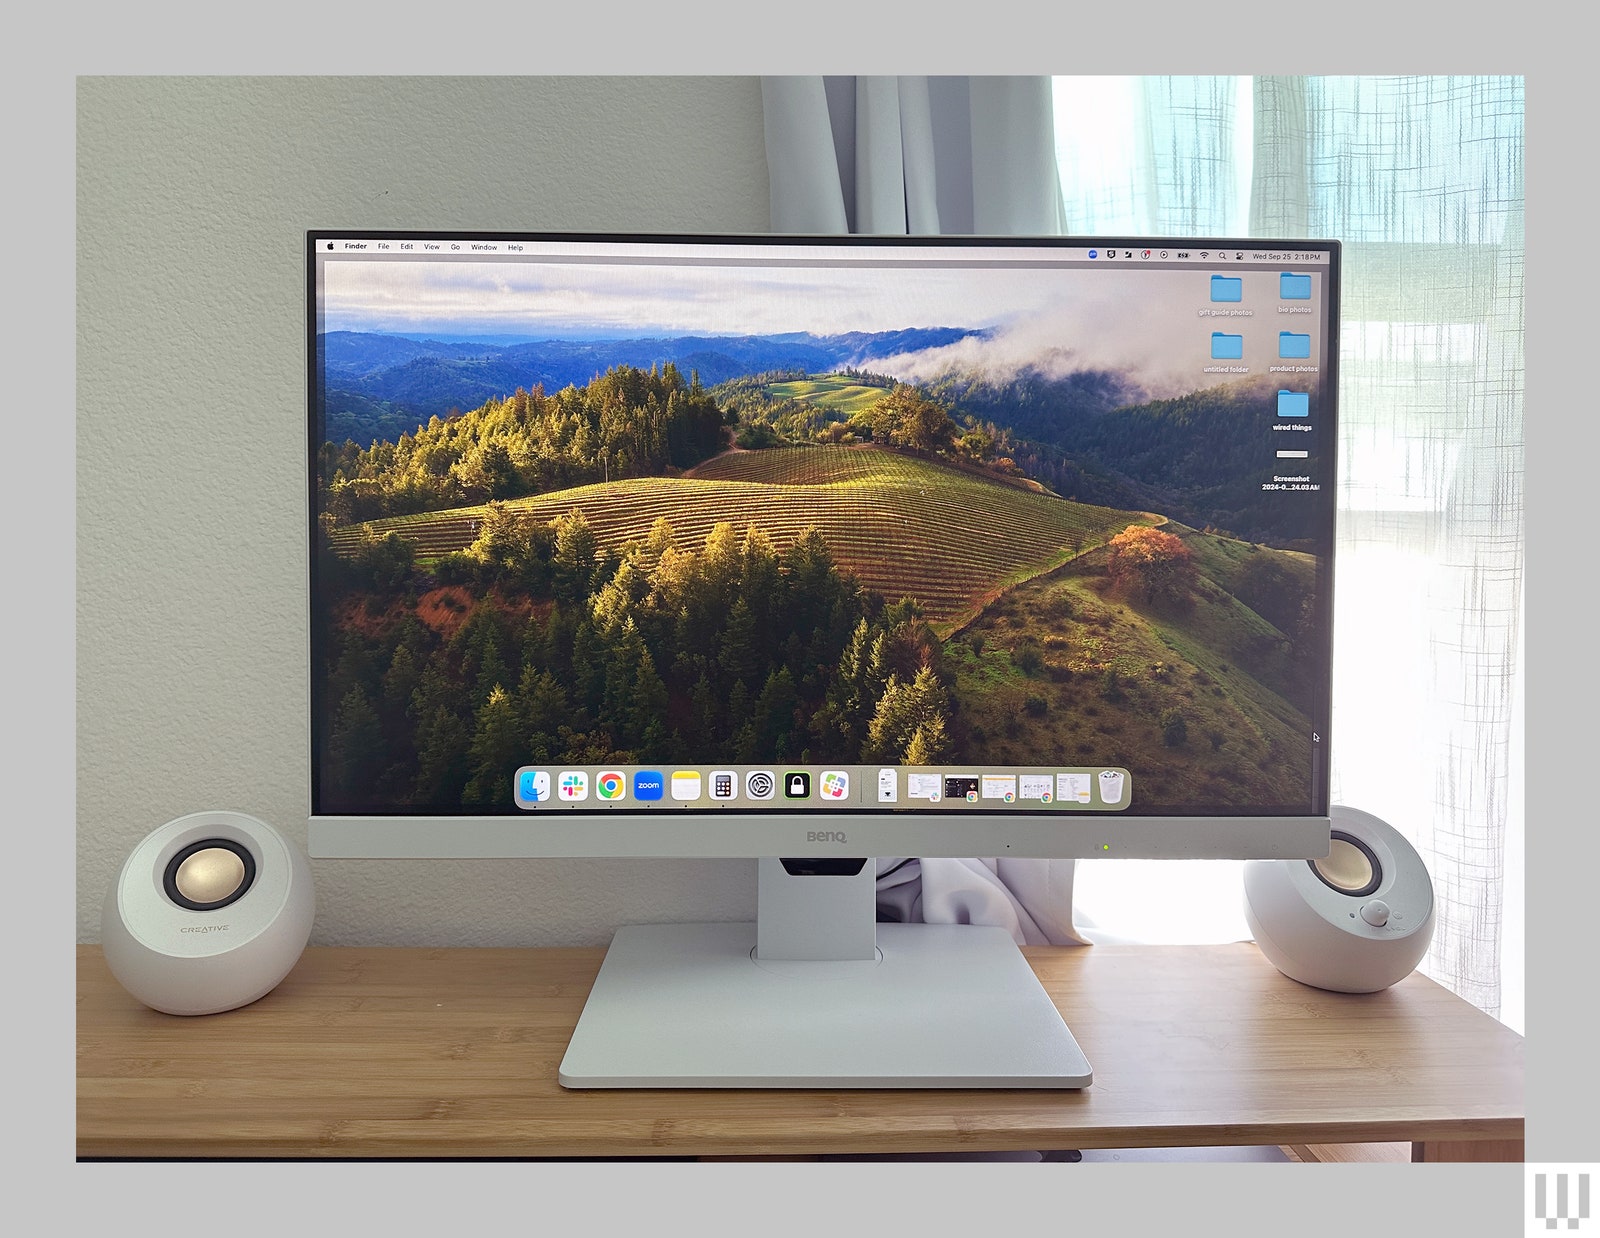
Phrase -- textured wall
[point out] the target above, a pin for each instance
(193, 196)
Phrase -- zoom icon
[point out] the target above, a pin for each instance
(760, 784)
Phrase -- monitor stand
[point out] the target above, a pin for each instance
(816, 994)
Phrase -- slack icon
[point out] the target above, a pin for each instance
(648, 785)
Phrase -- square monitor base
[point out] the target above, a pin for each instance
(942, 1006)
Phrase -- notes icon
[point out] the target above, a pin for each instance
(1226, 347)
(1227, 288)
(1293, 287)
(1291, 344)
(1294, 404)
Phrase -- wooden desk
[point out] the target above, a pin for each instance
(453, 1053)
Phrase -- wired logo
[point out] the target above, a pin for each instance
(1558, 1201)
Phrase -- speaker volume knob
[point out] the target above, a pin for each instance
(1376, 913)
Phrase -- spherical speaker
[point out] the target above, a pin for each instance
(208, 913)
(1356, 922)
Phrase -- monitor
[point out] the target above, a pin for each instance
(815, 550)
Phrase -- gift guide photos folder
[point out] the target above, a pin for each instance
(1227, 288)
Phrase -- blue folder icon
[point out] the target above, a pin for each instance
(1292, 345)
(1227, 288)
(1293, 287)
(1227, 346)
(1294, 404)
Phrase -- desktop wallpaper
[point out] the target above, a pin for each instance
(599, 513)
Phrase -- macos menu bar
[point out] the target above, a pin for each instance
(467, 246)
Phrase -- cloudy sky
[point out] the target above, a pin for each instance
(1148, 323)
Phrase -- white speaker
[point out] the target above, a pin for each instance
(1356, 922)
(208, 913)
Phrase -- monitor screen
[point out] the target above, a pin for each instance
(757, 546)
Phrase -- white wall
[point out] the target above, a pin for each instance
(193, 196)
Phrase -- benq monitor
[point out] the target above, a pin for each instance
(810, 549)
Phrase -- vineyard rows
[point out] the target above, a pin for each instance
(903, 526)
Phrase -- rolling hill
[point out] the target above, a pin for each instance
(904, 526)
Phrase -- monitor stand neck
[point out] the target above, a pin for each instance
(816, 994)
(816, 909)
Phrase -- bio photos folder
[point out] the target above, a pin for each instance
(1227, 288)
(1227, 347)
(1292, 345)
(1294, 287)
(1293, 404)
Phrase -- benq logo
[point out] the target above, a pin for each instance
(826, 836)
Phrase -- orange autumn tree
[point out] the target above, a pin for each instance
(1151, 564)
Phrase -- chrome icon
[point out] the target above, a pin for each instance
(610, 785)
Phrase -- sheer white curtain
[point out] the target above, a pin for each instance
(1422, 179)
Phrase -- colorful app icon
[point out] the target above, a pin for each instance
(574, 784)
(760, 784)
(532, 787)
(648, 784)
(611, 785)
(724, 784)
(686, 784)
(797, 785)
(835, 784)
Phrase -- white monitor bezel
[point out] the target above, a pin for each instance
(732, 833)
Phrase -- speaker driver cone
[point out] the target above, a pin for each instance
(209, 874)
(1351, 868)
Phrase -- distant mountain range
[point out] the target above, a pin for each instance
(378, 386)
